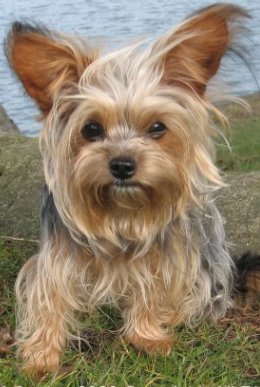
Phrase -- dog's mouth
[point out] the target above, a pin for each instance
(126, 193)
(126, 185)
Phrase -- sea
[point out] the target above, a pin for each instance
(115, 21)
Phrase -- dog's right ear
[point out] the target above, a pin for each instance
(190, 55)
(45, 62)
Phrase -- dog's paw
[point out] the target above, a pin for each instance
(152, 347)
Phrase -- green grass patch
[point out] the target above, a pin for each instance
(245, 144)
(244, 139)
(12, 256)
(225, 354)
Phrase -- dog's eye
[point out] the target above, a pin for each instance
(93, 131)
(157, 129)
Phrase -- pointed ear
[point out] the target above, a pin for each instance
(44, 62)
(191, 54)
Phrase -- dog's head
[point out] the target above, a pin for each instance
(126, 140)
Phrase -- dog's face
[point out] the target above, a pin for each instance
(126, 140)
(125, 150)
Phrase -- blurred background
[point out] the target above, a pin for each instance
(119, 21)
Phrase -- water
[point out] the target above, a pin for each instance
(118, 20)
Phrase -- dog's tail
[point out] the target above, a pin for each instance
(246, 292)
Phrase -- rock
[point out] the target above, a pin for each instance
(239, 205)
(6, 124)
(21, 182)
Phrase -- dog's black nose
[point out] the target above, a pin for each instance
(122, 167)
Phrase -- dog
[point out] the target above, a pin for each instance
(128, 216)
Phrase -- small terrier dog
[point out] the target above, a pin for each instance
(128, 217)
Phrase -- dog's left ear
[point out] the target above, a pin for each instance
(191, 54)
(44, 61)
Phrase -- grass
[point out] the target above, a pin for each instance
(226, 354)
(244, 139)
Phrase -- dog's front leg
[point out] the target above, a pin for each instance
(44, 314)
(143, 327)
